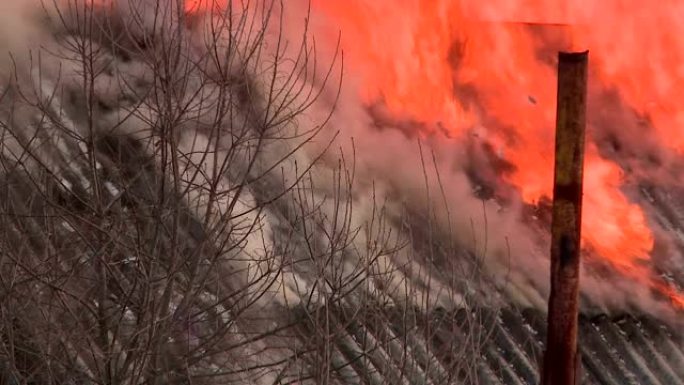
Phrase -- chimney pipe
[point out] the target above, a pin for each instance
(561, 359)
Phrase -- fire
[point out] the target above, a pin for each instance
(419, 85)
(433, 60)
(639, 51)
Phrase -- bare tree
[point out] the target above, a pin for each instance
(162, 223)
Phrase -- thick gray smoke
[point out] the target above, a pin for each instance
(300, 154)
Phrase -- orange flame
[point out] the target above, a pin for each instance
(421, 56)
(416, 56)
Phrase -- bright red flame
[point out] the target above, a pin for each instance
(638, 50)
(425, 58)
(418, 55)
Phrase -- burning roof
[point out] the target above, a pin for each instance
(489, 68)
(176, 207)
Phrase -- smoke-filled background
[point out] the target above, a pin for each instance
(476, 83)
(475, 86)
(197, 170)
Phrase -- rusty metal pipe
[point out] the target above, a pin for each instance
(561, 360)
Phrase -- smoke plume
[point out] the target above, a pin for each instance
(420, 193)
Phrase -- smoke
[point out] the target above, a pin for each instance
(444, 179)
(20, 34)
(423, 178)
(369, 171)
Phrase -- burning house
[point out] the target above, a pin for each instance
(260, 192)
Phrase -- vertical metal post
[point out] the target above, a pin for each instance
(561, 361)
